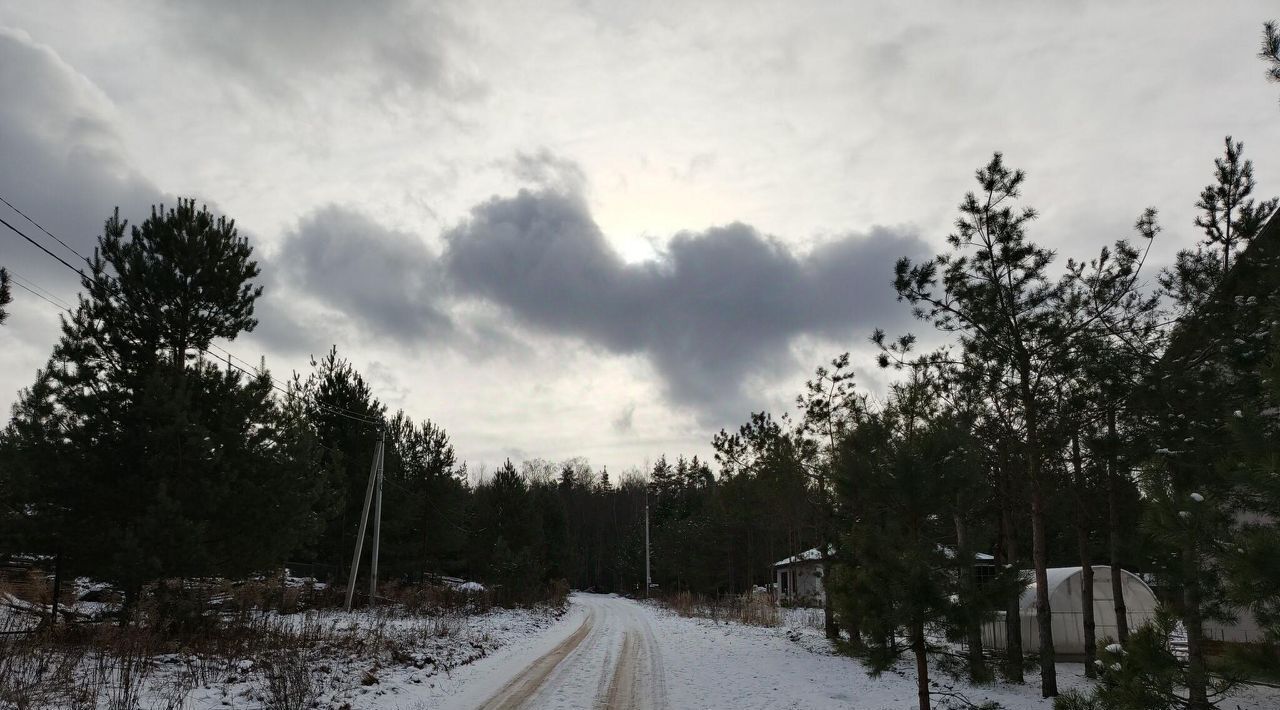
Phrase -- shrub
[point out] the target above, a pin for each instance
(287, 682)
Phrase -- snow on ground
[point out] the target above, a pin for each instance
(735, 666)
(367, 659)
(435, 652)
(714, 665)
(604, 651)
(698, 663)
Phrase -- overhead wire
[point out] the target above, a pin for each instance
(24, 287)
(46, 294)
(52, 236)
(40, 246)
(335, 409)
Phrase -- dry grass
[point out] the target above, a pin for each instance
(280, 639)
(749, 609)
(288, 682)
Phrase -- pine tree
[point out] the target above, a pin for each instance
(906, 465)
(1252, 566)
(766, 465)
(1209, 371)
(1270, 52)
(6, 297)
(1229, 217)
(993, 290)
(344, 416)
(829, 405)
(1096, 379)
(422, 522)
(507, 539)
(163, 463)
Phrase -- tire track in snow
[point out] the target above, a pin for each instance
(520, 689)
(621, 692)
(611, 662)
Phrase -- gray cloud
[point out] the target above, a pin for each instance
(63, 161)
(625, 421)
(388, 281)
(713, 311)
(716, 308)
(389, 46)
(549, 171)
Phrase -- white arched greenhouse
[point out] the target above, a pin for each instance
(1068, 613)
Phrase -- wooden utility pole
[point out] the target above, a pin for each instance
(375, 474)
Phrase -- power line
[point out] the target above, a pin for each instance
(37, 224)
(341, 411)
(333, 409)
(41, 247)
(23, 286)
(30, 284)
(275, 384)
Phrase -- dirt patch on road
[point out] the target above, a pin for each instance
(622, 691)
(520, 689)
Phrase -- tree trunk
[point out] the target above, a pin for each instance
(922, 664)
(1039, 552)
(973, 628)
(1044, 615)
(1113, 529)
(828, 613)
(132, 592)
(829, 624)
(1013, 608)
(1193, 620)
(1086, 564)
(57, 588)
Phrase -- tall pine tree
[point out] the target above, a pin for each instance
(140, 458)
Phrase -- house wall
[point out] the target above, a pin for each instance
(803, 584)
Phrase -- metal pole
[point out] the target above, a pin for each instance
(364, 520)
(377, 525)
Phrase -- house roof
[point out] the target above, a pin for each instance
(811, 555)
(950, 552)
(814, 555)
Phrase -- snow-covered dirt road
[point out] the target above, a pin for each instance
(610, 660)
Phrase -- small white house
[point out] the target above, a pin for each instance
(798, 579)
(1065, 597)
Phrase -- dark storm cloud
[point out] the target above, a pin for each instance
(275, 47)
(387, 281)
(716, 308)
(713, 312)
(61, 159)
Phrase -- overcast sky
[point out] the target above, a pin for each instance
(586, 229)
